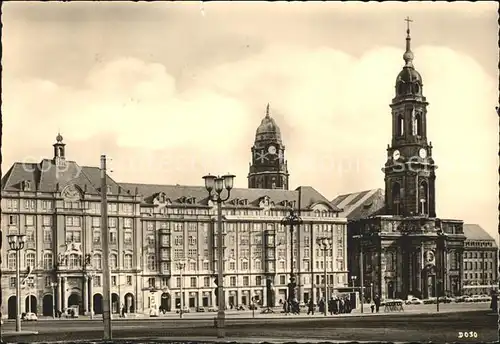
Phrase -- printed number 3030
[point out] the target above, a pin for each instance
(470, 334)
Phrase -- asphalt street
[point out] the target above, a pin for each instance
(406, 326)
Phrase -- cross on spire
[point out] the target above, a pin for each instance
(408, 21)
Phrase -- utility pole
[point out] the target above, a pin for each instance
(106, 276)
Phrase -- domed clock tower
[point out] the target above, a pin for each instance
(268, 169)
(409, 170)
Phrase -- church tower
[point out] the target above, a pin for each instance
(268, 169)
(410, 170)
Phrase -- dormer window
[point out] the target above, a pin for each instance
(108, 189)
(26, 185)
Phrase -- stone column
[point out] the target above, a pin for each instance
(84, 294)
(200, 298)
(59, 294)
(64, 296)
(91, 296)
(212, 298)
(264, 297)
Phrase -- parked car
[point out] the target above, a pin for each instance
(30, 317)
(201, 309)
(460, 299)
(430, 301)
(382, 303)
(414, 301)
(212, 309)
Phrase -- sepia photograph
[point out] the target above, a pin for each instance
(249, 172)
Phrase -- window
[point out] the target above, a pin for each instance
(305, 265)
(246, 281)
(47, 221)
(282, 265)
(30, 235)
(30, 220)
(12, 220)
(129, 280)
(206, 265)
(232, 281)
(164, 281)
(74, 261)
(113, 281)
(192, 266)
(11, 261)
(73, 235)
(178, 253)
(113, 261)
(30, 204)
(178, 240)
(30, 259)
(128, 208)
(206, 281)
(127, 237)
(12, 204)
(127, 261)
(193, 282)
(127, 223)
(151, 240)
(72, 221)
(96, 222)
(258, 265)
(47, 261)
(97, 261)
(178, 282)
(400, 125)
(112, 208)
(152, 282)
(112, 236)
(96, 236)
(151, 262)
(192, 240)
(306, 253)
(149, 225)
(282, 279)
(244, 265)
(12, 282)
(232, 266)
(97, 281)
(258, 280)
(112, 222)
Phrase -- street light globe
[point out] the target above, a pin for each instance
(229, 181)
(219, 184)
(209, 182)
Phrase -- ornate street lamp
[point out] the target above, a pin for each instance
(325, 244)
(218, 184)
(291, 220)
(54, 286)
(16, 243)
(441, 271)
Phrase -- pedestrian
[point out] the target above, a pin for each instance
(372, 306)
(336, 305)
(285, 307)
(377, 303)
(330, 305)
(310, 307)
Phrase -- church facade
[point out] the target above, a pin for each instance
(402, 248)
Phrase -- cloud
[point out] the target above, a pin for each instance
(333, 109)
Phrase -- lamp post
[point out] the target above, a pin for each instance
(218, 184)
(291, 220)
(53, 285)
(371, 292)
(353, 279)
(325, 244)
(181, 265)
(441, 271)
(16, 243)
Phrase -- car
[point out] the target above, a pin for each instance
(414, 301)
(460, 299)
(212, 309)
(30, 317)
(201, 309)
(184, 310)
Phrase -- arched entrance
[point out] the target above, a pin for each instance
(30, 304)
(115, 303)
(47, 305)
(11, 307)
(129, 303)
(74, 300)
(97, 304)
(165, 302)
(390, 289)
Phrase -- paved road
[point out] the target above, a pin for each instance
(408, 326)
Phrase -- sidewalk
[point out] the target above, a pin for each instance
(21, 333)
(253, 340)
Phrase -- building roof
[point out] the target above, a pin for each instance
(305, 196)
(358, 205)
(46, 176)
(476, 232)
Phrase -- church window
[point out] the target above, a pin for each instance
(423, 197)
(396, 198)
(416, 88)
(400, 125)
(389, 261)
(418, 124)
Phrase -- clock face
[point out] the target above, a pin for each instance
(396, 155)
(272, 150)
(423, 153)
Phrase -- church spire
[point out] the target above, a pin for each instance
(408, 55)
(267, 110)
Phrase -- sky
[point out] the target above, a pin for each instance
(173, 91)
